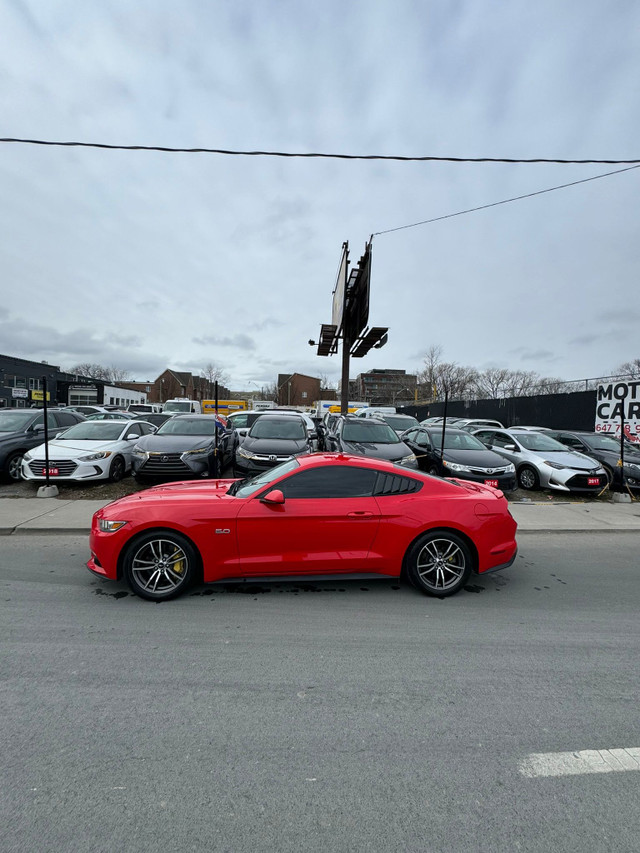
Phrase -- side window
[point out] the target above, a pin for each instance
(335, 481)
(501, 440)
(570, 441)
(412, 435)
(395, 484)
(423, 439)
(39, 421)
(65, 419)
(485, 436)
(134, 429)
(240, 421)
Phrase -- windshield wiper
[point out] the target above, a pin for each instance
(233, 488)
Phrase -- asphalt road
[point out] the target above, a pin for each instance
(319, 717)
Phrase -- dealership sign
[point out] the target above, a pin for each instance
(618, 405)
(20, 393)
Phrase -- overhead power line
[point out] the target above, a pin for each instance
(317, 155)
(504, 201)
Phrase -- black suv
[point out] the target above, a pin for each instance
(22, 429)
(368, 437)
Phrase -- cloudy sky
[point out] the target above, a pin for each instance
(145, 260)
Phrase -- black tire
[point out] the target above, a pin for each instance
(528, 478)
(160, 565)
(439, 563)
(117, 469)
(13, 468)
(433, 470)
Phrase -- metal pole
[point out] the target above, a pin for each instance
(444, 423)
(46, 432)
(622, 444)
(344, 393)
(216, 466)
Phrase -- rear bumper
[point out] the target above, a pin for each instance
(502, 565)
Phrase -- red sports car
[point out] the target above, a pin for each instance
(321, 516)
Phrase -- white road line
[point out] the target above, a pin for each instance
(574, 763)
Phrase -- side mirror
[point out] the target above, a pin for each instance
(38, 428)
(133, 437)
(275, 496)
(511, 447)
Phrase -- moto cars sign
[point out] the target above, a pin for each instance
(618, 407)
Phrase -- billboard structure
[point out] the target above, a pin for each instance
(349, 317)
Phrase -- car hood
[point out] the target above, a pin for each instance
(173, 443)
(275, 446)
(613, 455)
(570, 459)
(476, 458)
(71, 448)
(179, 491)
(391, 452)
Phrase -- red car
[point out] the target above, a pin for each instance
(321, 516)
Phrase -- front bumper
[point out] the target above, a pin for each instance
(175, 466)
(506, 482)
(571, 481)
(69, 470)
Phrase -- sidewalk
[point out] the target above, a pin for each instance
(51, 515)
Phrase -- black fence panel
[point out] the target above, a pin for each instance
(576, 410)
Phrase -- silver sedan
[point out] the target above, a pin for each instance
(542, 462)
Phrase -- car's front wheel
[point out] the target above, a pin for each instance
(528, 478)
(13, 467)
(439, 563)
(117, 469)
(160, 564)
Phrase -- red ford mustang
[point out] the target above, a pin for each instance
(323, 515)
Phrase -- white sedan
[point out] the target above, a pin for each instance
(91, 450)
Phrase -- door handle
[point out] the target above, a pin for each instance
(362, 514)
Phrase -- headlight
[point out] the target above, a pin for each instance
(92, 456)
(107, 526)
(510, 469)
(198, 450)
(406, 459)
(27, 456)
(246, 454)
(554, 465)
(454, 466)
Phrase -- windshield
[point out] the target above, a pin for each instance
(93, 431)
(244, 488)
(179, 406)
(274, 427)
(605, 442)
(366, 431)
(400, 421)
(188, 426)
(12, 421)
(456, 441)
(539, 441)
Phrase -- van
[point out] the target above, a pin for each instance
(324, 407)
(182, 406)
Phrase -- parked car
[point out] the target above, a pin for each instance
(92, 450)
(311, 517)
(155, 418)
(23, 429)
(534, 428)
(606, 449)
(269, 441)
(399, 423)
(542, 462)
(464, 457)
(144, 408)
(242, 422)
(470, 424)
(369, 437)
(184, 446)
(86, 410)
(112, 416)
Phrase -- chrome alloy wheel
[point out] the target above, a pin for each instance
(159, 566)
(441, 563)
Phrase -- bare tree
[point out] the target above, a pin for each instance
(100, 372)
(630, 368)
(212, 373)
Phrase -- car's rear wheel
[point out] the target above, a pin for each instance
(528, 478)
(117, 469)
(160, 565)
(439, 563)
